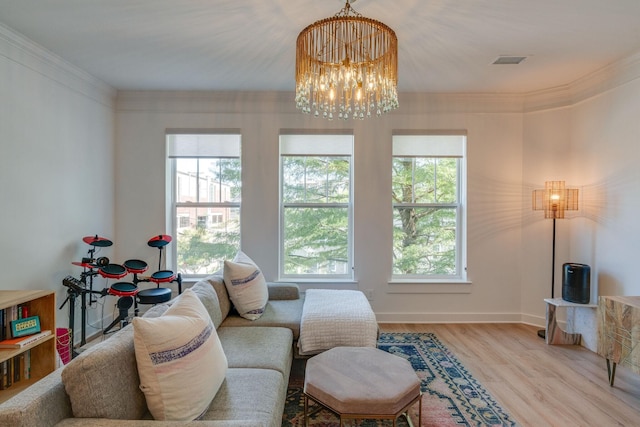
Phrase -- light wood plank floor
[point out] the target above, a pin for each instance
(538, 384)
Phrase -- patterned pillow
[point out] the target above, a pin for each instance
(247, 287)
(180, 360)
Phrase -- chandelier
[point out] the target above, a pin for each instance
(347, 67)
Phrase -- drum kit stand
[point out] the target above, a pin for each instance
(128, 292)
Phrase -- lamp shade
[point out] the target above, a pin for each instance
(555, 199)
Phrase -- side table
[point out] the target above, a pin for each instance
(618, 332)
(553, 333)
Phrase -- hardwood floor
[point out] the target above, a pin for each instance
(539, 384)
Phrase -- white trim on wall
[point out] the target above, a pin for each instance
(401, 317)
(25, 52)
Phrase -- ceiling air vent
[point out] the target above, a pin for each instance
(509, 60)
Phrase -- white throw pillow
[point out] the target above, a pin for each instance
(180, 360)
(246, 286)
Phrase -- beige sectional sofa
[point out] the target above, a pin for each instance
(100, 387)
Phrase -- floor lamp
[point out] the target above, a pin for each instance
(554, 200)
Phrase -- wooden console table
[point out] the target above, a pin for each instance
(619, 332)
(553, 333)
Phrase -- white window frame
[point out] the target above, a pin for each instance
(305, 143)
(429, 144)
(200, 143)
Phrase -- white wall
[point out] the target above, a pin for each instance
(77, 162)
(546, 149)
(588, 134)
(56, 178)
(494, 126)
(605, 147)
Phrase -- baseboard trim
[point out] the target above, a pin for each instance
(452, 318)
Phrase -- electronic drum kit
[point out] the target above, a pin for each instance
(128, 292)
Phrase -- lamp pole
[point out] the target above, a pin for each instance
(554, 209)
(553, 259)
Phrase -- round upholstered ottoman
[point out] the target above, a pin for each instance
(361, 383)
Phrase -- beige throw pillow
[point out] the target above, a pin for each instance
(180, 360)
(247, 287)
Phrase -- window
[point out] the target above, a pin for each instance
(427, 199)
(316, 207)
(205, 200)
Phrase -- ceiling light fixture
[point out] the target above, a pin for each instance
(347, 67)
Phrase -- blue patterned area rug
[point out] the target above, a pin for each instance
(451, 396)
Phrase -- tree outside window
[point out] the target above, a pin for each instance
(426, 199)
(206, 196)
(316, 206)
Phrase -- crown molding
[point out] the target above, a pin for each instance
(607, 78)
(467, 103)
(20, 50)
(283, 102)
(547, 99)
(193, 102)
(601, 81)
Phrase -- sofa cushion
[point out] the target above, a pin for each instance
(250, 394)
(44, 403)
(247, 287)
(283, 290)
(216, 280)
(157, 310)
(209, 298)
(284, 313)
(180, 359)
(266, 348)
(102, 382)
(207, 295)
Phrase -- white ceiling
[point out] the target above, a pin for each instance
(444, 45)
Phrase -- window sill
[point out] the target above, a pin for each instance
(305, 284)
(430, 287)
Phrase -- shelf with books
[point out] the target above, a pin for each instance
(20, 367)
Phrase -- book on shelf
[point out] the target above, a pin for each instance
(24, 341)
(26, 366)
(3, 327)
(16, 314)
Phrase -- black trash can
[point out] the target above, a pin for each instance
(576, 283)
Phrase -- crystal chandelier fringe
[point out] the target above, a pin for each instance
(347, 66)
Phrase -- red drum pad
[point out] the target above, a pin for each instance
(135, 266)
(113, 271)
(163, 276)
(123, 289)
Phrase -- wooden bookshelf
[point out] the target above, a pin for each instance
(42, 354)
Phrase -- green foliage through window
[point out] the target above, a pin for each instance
(425, 208)
(207, 195)
(315, 198)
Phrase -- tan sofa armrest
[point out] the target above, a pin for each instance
(283, 291)
(103, 422)
(43, 404)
